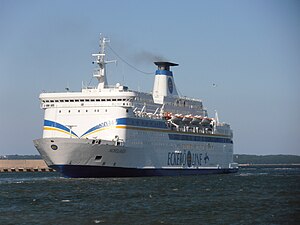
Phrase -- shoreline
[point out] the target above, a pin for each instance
(39, 165)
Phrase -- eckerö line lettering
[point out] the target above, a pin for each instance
(186, 158)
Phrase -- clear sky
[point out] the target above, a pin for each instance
(250, 49)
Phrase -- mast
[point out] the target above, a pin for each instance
(100, 72)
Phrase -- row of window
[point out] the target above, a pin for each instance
(95, 110)
(90, 100)
(199, 138)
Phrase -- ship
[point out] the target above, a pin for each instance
(113, 131)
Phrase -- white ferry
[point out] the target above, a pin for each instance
(112, 131)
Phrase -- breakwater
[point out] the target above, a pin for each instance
(24, 165)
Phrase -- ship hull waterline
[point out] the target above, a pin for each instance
(77, 171)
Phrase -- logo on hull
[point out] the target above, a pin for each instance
(187, 158)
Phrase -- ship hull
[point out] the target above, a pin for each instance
(85, 158)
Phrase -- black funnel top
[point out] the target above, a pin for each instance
(165, 65)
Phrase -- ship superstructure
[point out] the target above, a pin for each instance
(112, 131)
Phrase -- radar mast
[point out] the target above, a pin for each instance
(100, 72)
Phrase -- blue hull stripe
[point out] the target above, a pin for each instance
(183, 137)
(49, 123)
(142, 123)
(77, 171)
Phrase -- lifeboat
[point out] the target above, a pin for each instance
(206, 121)
(187, 119)
(196, 120)
(177, 118)
(167, 115)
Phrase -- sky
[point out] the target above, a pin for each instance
(249, 49)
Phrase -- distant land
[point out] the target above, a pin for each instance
(266, 159)
(238, 158)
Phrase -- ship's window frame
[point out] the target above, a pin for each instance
(76, 100)
(67, 100)
(61, 100)
(114, 100)
(51, 100)
(81, 100)
(72, 100)
(109, 100)
(56, 100)
(97, 100)
(98, 157)
(119, 99)
(47, 100)
(103, 100)
(87, 100)
(92, 100)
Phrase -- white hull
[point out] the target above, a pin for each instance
(160, 156)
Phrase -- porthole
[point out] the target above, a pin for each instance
(54, 147)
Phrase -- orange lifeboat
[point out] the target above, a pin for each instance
(167, 115)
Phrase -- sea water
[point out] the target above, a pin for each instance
(251, 196)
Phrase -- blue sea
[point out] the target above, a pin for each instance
(251, 196)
